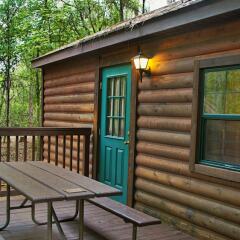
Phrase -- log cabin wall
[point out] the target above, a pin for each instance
(203, 206)
(206, 207)
(69, 102)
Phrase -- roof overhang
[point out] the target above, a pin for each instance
(194, 13)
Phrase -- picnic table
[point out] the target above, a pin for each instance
(42, 182)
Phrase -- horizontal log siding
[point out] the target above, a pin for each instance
(206, 207)
(69, 102)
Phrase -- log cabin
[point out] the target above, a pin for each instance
(168, 135)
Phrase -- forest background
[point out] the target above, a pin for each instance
(30, 28)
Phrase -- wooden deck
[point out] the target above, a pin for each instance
(100, 225)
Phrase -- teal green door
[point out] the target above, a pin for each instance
(114, 128)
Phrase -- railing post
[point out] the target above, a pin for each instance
(56, 150)
(33, 148)
(8, 148)
(78, 153)
(49, 148)
(41, 149)
(16, 149)
(71, 153)
(86, 155)
(25, 149)
(64, 151)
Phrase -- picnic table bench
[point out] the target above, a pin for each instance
(42, 182)
(128, 214)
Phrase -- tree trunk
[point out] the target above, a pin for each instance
(143, 6)
(38, 93)
(121, 10)
(30, 105)
(8, 94)
(8, 68)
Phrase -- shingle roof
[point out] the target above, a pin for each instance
(130, 24)
(169, 17)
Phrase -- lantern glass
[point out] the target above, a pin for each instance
(140, 62)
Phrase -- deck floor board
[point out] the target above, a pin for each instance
(100, 225)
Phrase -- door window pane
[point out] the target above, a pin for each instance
(117, 88)
(122, 122)
(110, 87)
(109, 126)
(116, 107)
(123, 87)
(116, 99)
(110, 107)
(122, 107)
(115, 127)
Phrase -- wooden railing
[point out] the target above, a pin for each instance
(66, 147)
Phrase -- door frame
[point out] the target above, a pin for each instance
(132, 136)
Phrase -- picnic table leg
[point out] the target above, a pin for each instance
(81, 218)
(58, 224)
(49, 220)
(134, 233)
(7, 209)
(34, 219)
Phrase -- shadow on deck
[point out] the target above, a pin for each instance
(100, 225)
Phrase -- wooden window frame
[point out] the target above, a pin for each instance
(194, 166)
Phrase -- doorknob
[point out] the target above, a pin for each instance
(126, 142)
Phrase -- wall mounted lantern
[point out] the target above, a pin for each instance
(141, 64)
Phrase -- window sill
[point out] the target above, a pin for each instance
(216, 172)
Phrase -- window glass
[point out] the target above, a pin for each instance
(222, 91)
(214, 103)
(220, 121)
(222, 141)
(234, 80)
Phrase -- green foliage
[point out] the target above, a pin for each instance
(30, 28)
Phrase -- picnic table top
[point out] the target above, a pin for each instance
(42, 182)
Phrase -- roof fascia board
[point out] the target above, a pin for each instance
(194, 13)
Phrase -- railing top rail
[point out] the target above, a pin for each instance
(43, 131)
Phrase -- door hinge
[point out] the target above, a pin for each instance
(100, 85)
